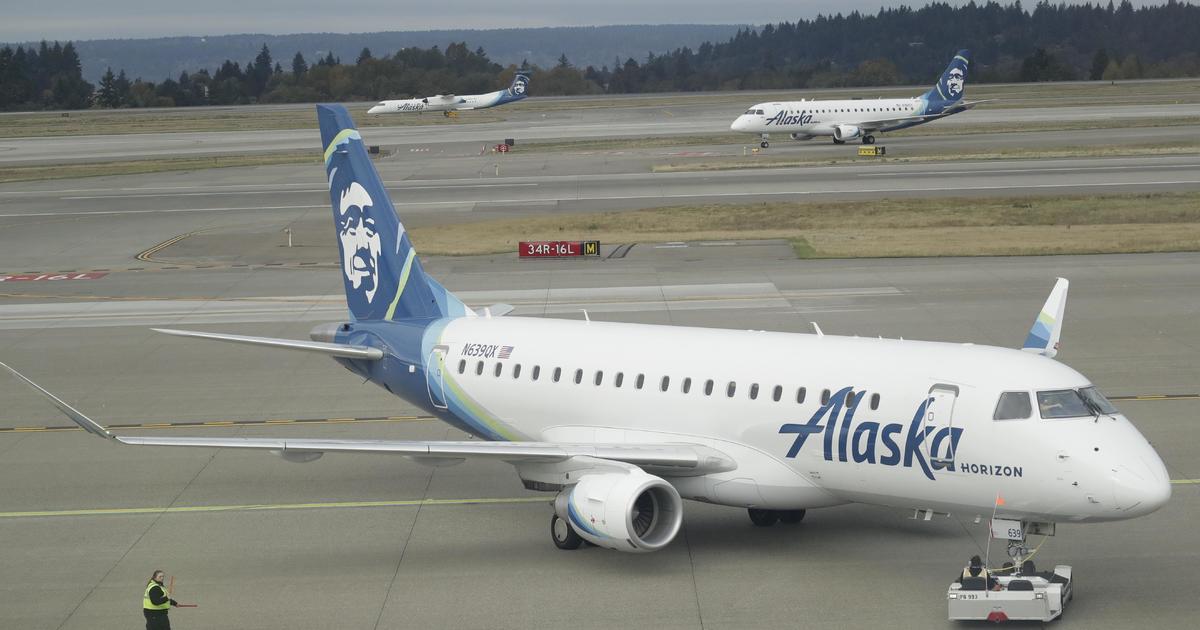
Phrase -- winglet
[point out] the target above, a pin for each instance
(1047, 328)
(87, 423)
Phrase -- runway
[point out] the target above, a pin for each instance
(645, 121)
(365, 542)
(378, 542)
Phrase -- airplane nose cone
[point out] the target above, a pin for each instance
(373, 110)
(738, 125)
(1141, 487)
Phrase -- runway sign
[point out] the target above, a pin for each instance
(558, 249)
(30, 277)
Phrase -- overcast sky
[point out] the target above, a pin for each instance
(92, 19)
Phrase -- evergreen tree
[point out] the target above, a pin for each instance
(1099, 63)
(299, 67)
(363, 56)
(107, 95)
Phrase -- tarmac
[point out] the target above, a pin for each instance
(374, 542)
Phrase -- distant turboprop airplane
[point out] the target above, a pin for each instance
(447, 103)
(623, 421)
(860, 118)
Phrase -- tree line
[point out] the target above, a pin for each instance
(894, 46)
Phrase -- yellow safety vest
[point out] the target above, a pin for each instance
(149, 605)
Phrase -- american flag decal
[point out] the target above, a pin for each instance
(505, 352)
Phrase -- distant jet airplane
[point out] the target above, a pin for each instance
(447, 103)
(623, 421)
(860, 118)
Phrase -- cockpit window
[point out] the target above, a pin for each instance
(1097, 401)
(1013, 406)
(1062, 403)
(750, 111)
(753, 111)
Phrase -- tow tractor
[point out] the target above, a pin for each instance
(1016, 591)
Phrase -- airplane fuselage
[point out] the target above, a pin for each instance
(809, 119)
(810, 420)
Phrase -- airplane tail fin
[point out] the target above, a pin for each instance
(519, 86)
(952, 85)
(383, 277)
(1047, 328)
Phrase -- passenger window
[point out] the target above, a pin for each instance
(537, 371)
(754, 391)
(778, 393)
(517, 370)
(1062, 403)
(557, 374)
(499, 369)
(687, 384)
(1013, 406)
(708, 387)
(599, 377)
(874, 402)
(824, 396)
(462, 366)
(801, 394)
(641, 380)
(731, 389)
(479, 369)
(619, 379)
(666, 383)
(578, 376)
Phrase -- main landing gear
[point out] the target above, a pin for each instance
(767, 518)
(563, 534)
(868, 139)
(836, 141)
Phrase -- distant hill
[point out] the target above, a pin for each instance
(157, 59)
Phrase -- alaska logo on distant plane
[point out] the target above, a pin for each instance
(862, 444)
(784, 118)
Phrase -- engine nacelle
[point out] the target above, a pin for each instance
(634, 511)
(846, 132)
(801, 136)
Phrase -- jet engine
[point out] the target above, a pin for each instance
(633, 511)
(801, 136)
(846, 132)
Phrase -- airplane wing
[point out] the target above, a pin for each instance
(680, 459)
(346, 351)
(887, 123)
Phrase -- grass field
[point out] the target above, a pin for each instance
(881, 228)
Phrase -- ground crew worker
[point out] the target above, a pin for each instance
(156, 602)
(976, 569)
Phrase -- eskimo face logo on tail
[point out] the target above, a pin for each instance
(359, 240)
(954, 81)
(519, 85)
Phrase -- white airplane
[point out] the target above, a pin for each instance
(447, 103)
(624, 421)
(859, 118)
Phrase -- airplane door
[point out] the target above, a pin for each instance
(939, 415)
(435, 380)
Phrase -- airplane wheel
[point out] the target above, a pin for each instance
(836, 141)
(791, 516)
(764, 144)
(563, 534)
(763, 518)
(868, 139)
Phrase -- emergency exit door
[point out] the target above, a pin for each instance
(939, 415)
(435, 376)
